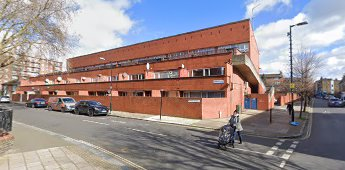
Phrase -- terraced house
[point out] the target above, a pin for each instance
(200, 74)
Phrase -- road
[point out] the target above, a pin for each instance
(325, 148)
(153, 145)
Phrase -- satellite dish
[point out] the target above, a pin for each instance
(59, 79)
(46, 81)
(182, 65)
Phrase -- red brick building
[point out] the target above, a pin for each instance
(200, 74)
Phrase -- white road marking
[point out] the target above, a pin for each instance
(274, 148)
(102, 118)
(286, 156)
(289, 151)
(269, 152)
(253, 152)
(282, 164)
(95, 122)
(295, 142)
(115, 121)
(282, 140)
(293, 146)
(82, 142)
(279, 143)
(152, 133)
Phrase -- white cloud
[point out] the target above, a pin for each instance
(100, 24)
(323, 34)
(257, 6)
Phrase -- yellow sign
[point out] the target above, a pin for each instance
(292, 85)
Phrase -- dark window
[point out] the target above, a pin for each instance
(92, 93)
(198, 73)
(217, 71)
(101, 93)
(164, 93)
(122, 93)
(138, 93)
(148, 93)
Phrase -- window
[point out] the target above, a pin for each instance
(71, 93)
(198, 73)
(164, 93)
(148, 93)
(101, 93)
(208, 72)
(203, 94)
(138, 93)
(137, 77)
(217, 71)
(94, 79)
(92, 93)
(122, 93)
(166, 74)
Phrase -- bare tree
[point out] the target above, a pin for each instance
(305, 65)
(34, 28)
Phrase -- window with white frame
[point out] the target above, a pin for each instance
(208, 72)
(137, 77)
(203, 94)
(166, 74)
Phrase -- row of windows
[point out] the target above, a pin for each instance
(208, 72)
(184, 94)
(243, 47)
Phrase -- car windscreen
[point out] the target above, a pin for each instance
(94, 103)
(68, 100)
(5, 97)
(333, 100)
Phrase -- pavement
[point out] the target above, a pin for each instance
(254, 122)
(37, 149)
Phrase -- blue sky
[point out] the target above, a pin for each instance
(107, 24)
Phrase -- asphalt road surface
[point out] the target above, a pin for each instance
(153, 145)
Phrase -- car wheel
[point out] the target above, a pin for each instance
(76, 111)
(50, 108)
(27, 105)
(33, 106)
(91, 112)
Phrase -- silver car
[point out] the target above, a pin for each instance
(4, 99)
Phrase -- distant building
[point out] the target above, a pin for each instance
(30, 67)
(327, 86)
(275, 80)
(342, 84)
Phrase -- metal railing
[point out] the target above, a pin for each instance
(6, 117)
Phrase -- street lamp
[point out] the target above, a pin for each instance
(291, 72)
(111, 83)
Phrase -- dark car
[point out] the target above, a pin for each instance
(334, 102)
(37, 102)
(90, 108)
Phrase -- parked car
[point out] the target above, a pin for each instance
(90, 108)
(37, 102)
(334, 102)
(4, 99)
(64, 104)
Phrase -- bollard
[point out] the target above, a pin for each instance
(6, 116)
(270, 115)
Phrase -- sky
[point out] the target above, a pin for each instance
(107, 24)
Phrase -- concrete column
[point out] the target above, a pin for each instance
(149, 75)
(61, 93)
(183, 72)
(83, 93)
(115, 93)
(156, 93)
(45, 92)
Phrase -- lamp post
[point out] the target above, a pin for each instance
(110, 84)
(291, 71)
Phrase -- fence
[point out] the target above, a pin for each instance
(6, 116)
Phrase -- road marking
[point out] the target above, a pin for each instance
(274, 148)
(295, 142)
(270, 152)
(152, 133)
(83, 142)
(95, 122)
(289, 151)
(102, 118)
(253, 152)
(115, 121)
(286, 156)
(293, 146)
(282, 140)
(279, 143)
(282, 164)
